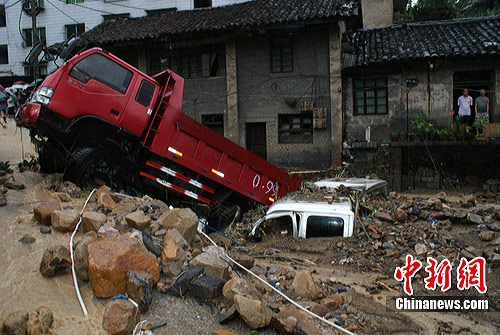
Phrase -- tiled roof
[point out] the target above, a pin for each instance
(249, 14)
(450, 38)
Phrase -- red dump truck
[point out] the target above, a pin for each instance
(98, 117)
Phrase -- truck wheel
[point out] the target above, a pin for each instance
(78, 165)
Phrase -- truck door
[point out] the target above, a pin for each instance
(96, 85)
(140, 106)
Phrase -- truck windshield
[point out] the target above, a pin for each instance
(104, 70)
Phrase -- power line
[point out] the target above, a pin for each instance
(15, 3)
(63, 12)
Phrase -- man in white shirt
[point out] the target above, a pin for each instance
(464, 104)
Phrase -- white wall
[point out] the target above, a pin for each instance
(90, 12)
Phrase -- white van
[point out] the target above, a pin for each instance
(321, 218)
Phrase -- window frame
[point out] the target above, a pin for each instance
(200, 6)
(75, 25)
(6, 53)
(41, 38)
(365, 89)
(273, 45)
(299, 132)
(143, 83)
(3, 16)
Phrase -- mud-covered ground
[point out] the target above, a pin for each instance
(358, 265)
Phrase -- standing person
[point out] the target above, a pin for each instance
(482, 110)
(464, 104)
(11, 105)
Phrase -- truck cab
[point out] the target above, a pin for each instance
(99, 85)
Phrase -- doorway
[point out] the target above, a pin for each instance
(474, 81)
(256, 138)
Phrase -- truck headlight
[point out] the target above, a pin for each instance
(43, 95)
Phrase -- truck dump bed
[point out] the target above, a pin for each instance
(177, 137)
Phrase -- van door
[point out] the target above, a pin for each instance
(317, 225)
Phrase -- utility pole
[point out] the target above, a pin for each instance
(34, 33)
(33, 22)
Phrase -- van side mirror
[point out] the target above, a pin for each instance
(69, 48)
(34, 53)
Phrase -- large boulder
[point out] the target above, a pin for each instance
(120, 317)
(65, 220)
(43, 211)
(55, 259)
(253, 312)
(304, 285)
(138, 220)
(240, 286)
(172, 258)
(184, 220)
(111, 257)
(81, 256)
(92, 221)
(16, 323)
(212, 265)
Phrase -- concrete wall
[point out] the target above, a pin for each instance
(377, 13)
(441, 95)
(88, 12)
(263, 95)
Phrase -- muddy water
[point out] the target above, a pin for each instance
(22, 287)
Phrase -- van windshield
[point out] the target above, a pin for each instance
(104, 70)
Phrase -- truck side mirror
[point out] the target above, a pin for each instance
(34, 53)
(69, 48)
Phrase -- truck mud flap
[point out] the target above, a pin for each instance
(176, 188)
(180, 176)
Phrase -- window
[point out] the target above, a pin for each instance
(190, 63)
(4, 54)
(281, 54)
(202, 3)
(3, 20)
(145, 93)
(295, 128)
(214, 122)
(370, 96)
(74, 29)
(74, 1)
(41, 70)
(324, 226)
(28, 37)
(102, 69)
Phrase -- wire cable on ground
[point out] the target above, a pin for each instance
(281, 293)
(75, 282)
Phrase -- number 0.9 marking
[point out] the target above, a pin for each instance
(256, 181)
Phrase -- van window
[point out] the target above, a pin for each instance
(145, 93)
(103, 69)
(324, 226)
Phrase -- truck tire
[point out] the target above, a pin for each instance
(78, 165)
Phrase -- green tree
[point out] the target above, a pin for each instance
(429, 10)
